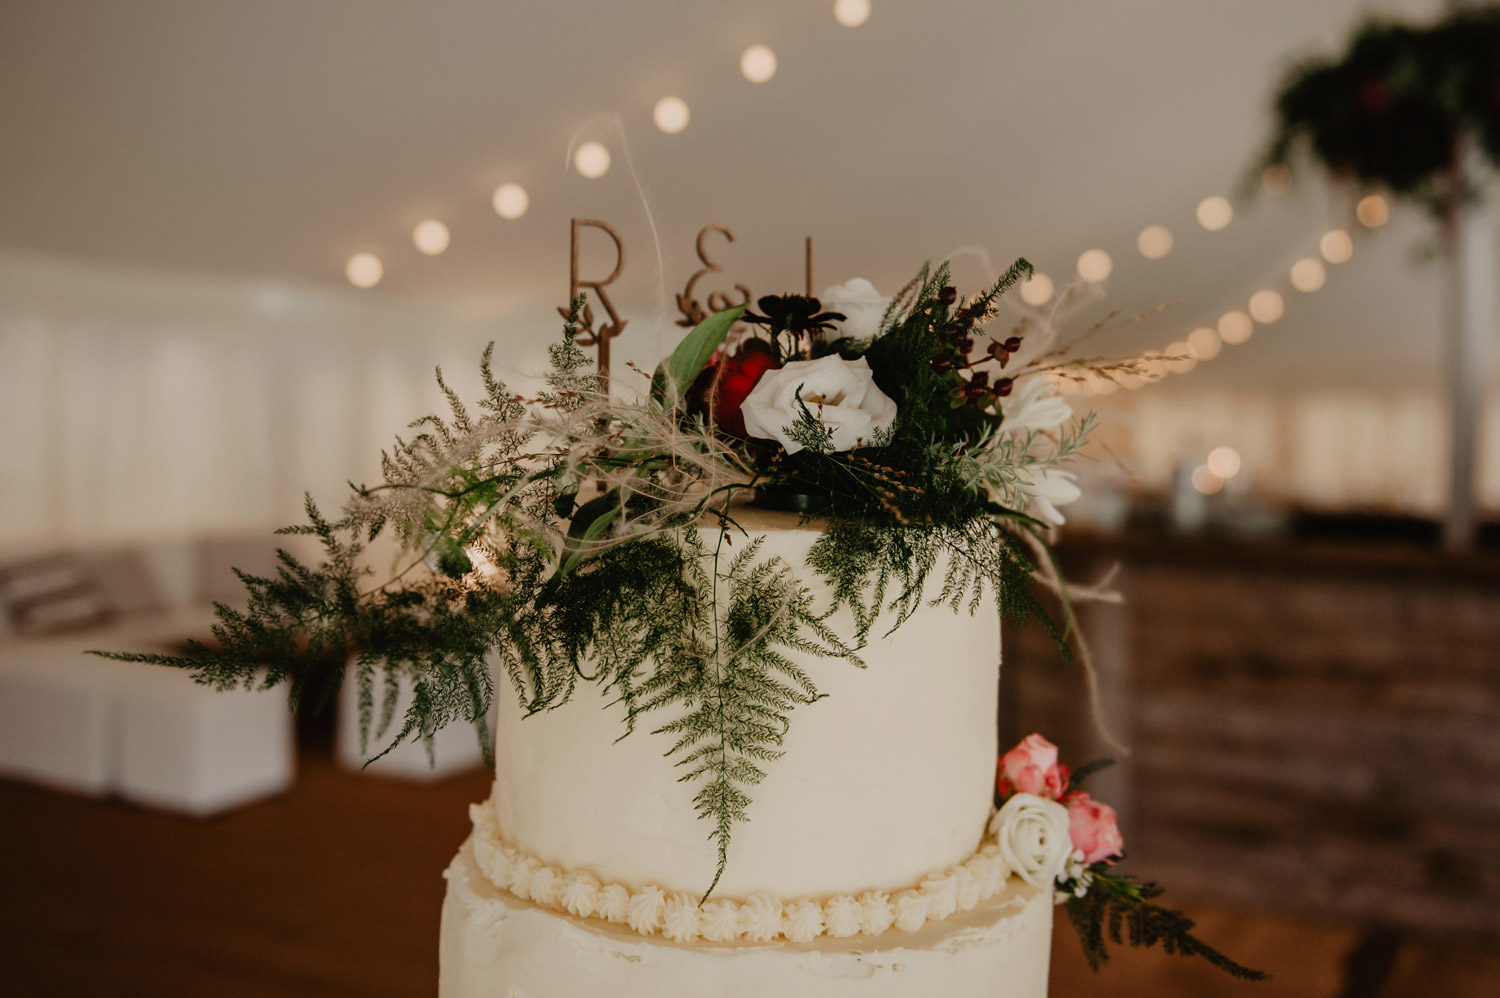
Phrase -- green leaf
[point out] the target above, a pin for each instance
(679, 370)
(589, 524)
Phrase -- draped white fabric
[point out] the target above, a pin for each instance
(136, 406)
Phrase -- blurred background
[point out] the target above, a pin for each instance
(236, 238)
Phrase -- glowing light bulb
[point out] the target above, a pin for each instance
(364, 270)
(758, 63)
(1336, 246)
(1215, 213)
(1308, 275)
(1204, 343)
(1037, 289)
(1372, 211)
(511, 201)
(1095, 265)
(430, 236)
(1205, 481)
(1266, 306)
(1235, 327)
(851, 13)
(1223, 462)
(1154, 242)
(671, 114)
(591, 159)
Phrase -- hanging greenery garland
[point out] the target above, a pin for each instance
(1397, 109)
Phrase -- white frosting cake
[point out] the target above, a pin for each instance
(862, 870)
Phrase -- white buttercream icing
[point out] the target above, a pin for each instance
(968, 887)
(842, 914)
(614, 903)
(941, 892)
(580, 893)
(546, 887)
(802, 921)
(646, 909)
(911, 910)
(680, 920)
(494, 945)
(877, 913)
(760, 917)
(719, 921)
(521, 870)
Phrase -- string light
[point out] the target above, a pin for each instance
(758, 63)
(1223, 462)
(851, 13)
(1372, 211)
(1336, 246)
(1215, 213)
(1037, 289)
(511, 201)
(1205, 481)
(1154, 242)
(671, 114)
(1204, 343)
(1266, 306)
(591, 159)
(1308, 275)
(364, 270)
(1095, 265)
(430, 236)
(1235, 327)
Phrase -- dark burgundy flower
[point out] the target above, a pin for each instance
(793, 314)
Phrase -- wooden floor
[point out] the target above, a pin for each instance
(335, 890)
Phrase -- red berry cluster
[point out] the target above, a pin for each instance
(971, 386)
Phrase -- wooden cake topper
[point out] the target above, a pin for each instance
(589, 336)
(693, 311)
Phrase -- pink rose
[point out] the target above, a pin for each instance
(1031, 768)
(1093, 827)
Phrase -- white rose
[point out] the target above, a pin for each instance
(841, 394)
(1033, 836)
(862, 305)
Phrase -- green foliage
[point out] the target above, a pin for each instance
(1118, 909)
(677, 372)
(732, 680)
(1395, 107)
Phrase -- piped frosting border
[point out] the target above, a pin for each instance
(758, 918)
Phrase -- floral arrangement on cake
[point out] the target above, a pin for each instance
(1052, 833)
(582, 537)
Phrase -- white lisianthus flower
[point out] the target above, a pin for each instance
(1033, 405)
(1045, 490)
(863, 307)
(841, 394)
(1032, 833)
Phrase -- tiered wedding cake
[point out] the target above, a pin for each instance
(864, 870)
(737, 753)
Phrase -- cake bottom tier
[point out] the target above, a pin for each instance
(495, 945)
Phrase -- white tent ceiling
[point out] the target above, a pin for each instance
(271, 140)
